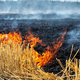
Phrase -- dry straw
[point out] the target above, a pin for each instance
(17, 63)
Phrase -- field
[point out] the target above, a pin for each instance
(17, 62)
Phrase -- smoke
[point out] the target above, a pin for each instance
(14, 24)
(33, 9)
(74, 36)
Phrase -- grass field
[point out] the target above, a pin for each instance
(17, 63)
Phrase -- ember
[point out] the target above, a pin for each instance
(41, 60)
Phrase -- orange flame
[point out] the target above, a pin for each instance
(10, 38)
(32, 40)
(40, 60)
(49, 53)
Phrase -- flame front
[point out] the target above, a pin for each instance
(10, 38)
(40, 60)
(49, 53)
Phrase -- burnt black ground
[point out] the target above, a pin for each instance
(48, 31)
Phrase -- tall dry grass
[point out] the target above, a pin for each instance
(17, 63)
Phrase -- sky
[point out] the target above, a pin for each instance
(44, 0)
(35, 6)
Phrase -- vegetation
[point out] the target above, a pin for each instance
(15, 64)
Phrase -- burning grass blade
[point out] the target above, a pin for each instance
(21, 62)
(15, 65)
(13, 39)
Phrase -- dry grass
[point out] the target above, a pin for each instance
(17, 63)
(72, 69)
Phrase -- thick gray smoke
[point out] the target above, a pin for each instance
(33, 9)
(37, 9)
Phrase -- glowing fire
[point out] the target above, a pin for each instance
(10, 38)
(40, 60)
(49, 53)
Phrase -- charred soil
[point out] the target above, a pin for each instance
(48, 31)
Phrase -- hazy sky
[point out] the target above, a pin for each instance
(43, 0)
(35, 6)
(63, 0)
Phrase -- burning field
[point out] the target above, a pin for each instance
(13, 38)
(38, 50)
(39, 40)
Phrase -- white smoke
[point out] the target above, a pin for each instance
(74, 35)
(34, 7)
(37, 8)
